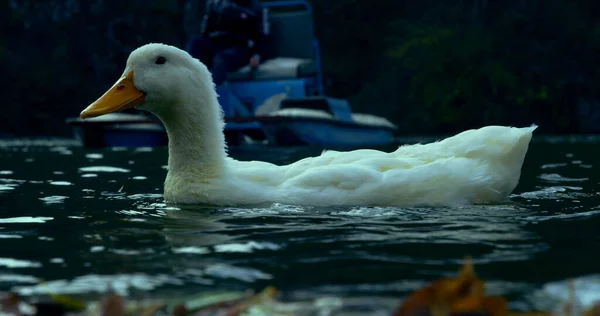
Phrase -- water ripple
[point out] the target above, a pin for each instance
(17, 278)
(60, 183)
(12, 236)
(569, 216)
(246, 247)
(55, 199)
(121, 284)
(555, 177)
(554, 192)
(6, 187)
(225, 271)
(16, 263)
(554, 165)
(192, 250)
(103, 169)
(117, 232)
(25, 219)
(94, 156)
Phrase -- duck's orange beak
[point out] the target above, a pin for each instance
(123, 94)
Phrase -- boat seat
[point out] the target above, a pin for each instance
(290, 52)
(277, 68)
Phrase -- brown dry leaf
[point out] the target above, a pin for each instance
(463, 294)
(179, 310)
(534, 313)
(151, 311)
(267, 293)
(68, 302)
(113, 305)
(237, 306)
(10, 304)
(593, 311)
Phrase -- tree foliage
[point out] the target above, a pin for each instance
(464, 64)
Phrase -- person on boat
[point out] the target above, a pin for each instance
(232, 35)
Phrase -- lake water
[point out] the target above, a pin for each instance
(82, 219)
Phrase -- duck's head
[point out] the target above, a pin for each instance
(157, 77)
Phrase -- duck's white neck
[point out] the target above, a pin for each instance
(195, 130)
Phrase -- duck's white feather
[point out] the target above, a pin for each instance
(476, 166)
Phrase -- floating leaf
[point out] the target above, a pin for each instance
(68, 302)
(10, 304)
(461, 295)
(113, 305)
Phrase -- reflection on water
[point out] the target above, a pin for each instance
(87, 221)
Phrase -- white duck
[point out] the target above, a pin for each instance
(475, 166)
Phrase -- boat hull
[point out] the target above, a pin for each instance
(278, 131)
(325, 133)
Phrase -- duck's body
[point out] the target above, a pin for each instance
(476, 166)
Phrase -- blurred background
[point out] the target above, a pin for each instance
(428, 66)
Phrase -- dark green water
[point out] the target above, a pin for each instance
(81, 229)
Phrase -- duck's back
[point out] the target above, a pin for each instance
(475, 166)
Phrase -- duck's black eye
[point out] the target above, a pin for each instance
(160, 60)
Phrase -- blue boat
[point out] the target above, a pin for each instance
(281, 103)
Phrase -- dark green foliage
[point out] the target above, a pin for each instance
(438, 66)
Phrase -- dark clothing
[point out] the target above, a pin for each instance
(219, 58)
(232, 32)
(236, 22)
